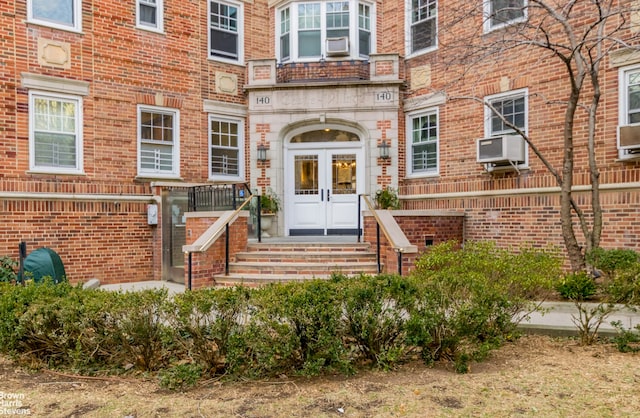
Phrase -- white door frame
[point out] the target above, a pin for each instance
(326, 150)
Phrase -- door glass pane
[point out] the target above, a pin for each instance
(343, 174)
(306, 175)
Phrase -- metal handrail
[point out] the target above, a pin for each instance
(214, 236)
(380, 226)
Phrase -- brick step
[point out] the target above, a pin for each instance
(264, 263)
(308, 247)
(256, 280)
(307, 269)
(306, 257)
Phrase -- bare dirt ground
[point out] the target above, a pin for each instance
(536, 376)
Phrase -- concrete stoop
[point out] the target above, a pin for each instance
(281, 262)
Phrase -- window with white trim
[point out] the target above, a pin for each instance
(423, 144)
(149, 15)
(630, 96)
(324, 29)
(226, 145)
(501, 13)
(513, 107)
(629, 112)
(423, 22)
(225, 31)
(55, 133)
(61, 14)
(158, 142)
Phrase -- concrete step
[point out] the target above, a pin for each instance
(330, 257)
(281, 262)
(305, 269)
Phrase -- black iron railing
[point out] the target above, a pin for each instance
(212, 197)
(218, 197)
(380, 227)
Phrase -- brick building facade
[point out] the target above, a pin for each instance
(110, 109)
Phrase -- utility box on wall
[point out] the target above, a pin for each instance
(152, 214)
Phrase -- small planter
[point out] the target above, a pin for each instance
(266, 221)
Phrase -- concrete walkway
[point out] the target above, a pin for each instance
(557, 318)
(172, 287)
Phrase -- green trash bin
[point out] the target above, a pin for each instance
(44, 262)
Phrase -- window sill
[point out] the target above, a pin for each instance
(224, 179)
(227, 61)
(413, 176)
(154, 177)
(421, 52)
(55, 26)
(39, 171)
(151, 29)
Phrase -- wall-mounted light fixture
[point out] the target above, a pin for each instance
(383, 147)
(262, 153)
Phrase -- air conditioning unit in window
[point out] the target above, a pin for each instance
(338, 46)
(501, 149)
(629, 138)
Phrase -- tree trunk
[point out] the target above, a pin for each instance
(574, 251)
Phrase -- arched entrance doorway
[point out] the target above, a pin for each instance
(324, 174)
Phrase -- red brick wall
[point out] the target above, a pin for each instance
(205, 265)
(110, 241)
(507, 216)
(418, 227)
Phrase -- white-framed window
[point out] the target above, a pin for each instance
(514, 107)
(226, 148)
(158, 142)
(630, 96)
(312, 30)
(501, 13)
(55, 133)
(61, 14)
(150, 15)
(629, 112)
(423, 143)
(226, 31)
(422, 24)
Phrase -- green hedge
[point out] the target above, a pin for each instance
(459, 304)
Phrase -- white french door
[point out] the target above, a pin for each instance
(323, 194)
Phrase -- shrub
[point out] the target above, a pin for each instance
(577, 286)
(205, 323)
(471, 298)
(625, 286)
(8, 269)
(374, 316)
(627, 341)
(15, 304)
(612, 261)
(304, 319)
(179, 377)
(140, 328)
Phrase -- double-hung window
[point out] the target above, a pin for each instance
(423, 25)
(150, 14)
(629, 112)
(423, 144)
(225, 31)
(158, 142)
(324, 29)
(55, 133)
(226, 145)
(510, 109)
(630, 95)
(61, 14)
(500, 13)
